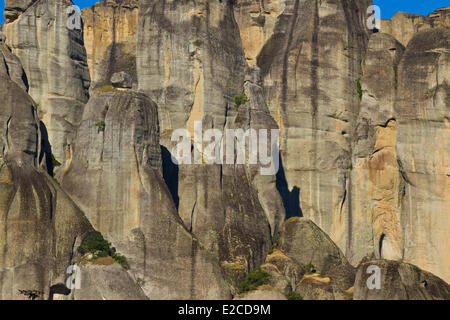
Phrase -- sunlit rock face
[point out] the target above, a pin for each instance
(54, 59)
(314, 101)
(399, 281)
(403, 26)
(190, 61)
(423, 149)
(363, 124)
(110, 39)
(40, 226)
(376, 178)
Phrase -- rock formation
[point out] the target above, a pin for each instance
(41, 226)
(306, 244)
(110, 39)
(399, 281)
(360, 117)
(422, 111)
(193, 71)
(54, 59)
(403, 26)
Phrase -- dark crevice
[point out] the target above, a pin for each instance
(7, 132)
(191, 227)
(344, 198)
(291, 198)
(170, 174)
(46, 149)
(380, 245)
(403, 173)
(58, 289)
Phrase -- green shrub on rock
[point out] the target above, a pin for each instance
(254, 280)
(293, 296)
(240, 100)
(95, 244)
(310, 268)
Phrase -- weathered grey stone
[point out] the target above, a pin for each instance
(14, 8)
(40, 226)
(306, 244)
(403, 26)
(11, 67)
(254, 115)
(376, 179)
(399, 281)
(310, 65)
(109, 30)
(286, 266)
(315, 287)
(121, 80)
(257, 22)
(191, 63)
(110, 282)
(116, 177)
(118, 137)
(364, 152)
(423, 148)
(54, 60)
(277, 280)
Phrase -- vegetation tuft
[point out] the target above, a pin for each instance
(240, 100)
(359, 89)
(293, 296)
(254, 279)
(95, 244)
(310, 268)
(101, 124)
(106, 88)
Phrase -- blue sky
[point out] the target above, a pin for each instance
(388, 7)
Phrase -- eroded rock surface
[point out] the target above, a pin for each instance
(364, 139)
(306, 244)
(423, 149)
(403, 26)
(54, 59)
(109, 29)
(40, 225)
(116, 177)
(399, 281)
(191, 63)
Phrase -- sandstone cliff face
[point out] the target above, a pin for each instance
(400, 281)
(40, 226)
(14, 8)
(257, 22)
(399, 88)
(376, 180)
(403, 26)
(11, 67)
(306, 244)
(116, 178)
(352, 182)
(191, 63)
(107, 283)
(423, 149)
(315, 105)
(364, 138)
(109, 29)
(54, 60)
